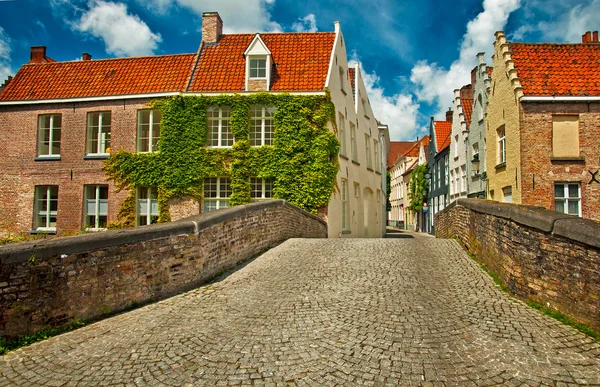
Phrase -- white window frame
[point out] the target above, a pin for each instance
(153, 138)
(265, 190)
(97, 202)
(368, 151)
(48, 213)
(151, 205)
(463, 178)
(356, 190)
(455, 146)
(501, 133)
(566, 198)
(377, 161)
(344, 200)
(220, 126)
(447, 169)
(353, 142)
(103, 144)
(267, 125)
(51, 135)
(342, 130)
(257, 59)
(221, 200)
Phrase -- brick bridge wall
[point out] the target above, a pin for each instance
(540, 255)
(55, 281)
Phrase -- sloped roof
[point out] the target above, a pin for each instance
(489, 70)
(443, 130)
(93, 78)
(414, 150)
(352, 72)
(467, 106)
(549, 69)
(397, 148)
(301, 62)
(410, 167)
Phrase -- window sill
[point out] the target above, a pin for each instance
(377, 172)
(367, 117)
(41, 231)
(344, 157)
(355, 162)
(578, 160)
(370, 169)
(47, 158)
(95, 229)
(220, 146)
(346, 232)
(344, 91)
(99, 156)
(501, 165)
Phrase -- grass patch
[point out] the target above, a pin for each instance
(42, 334)
(558, 315)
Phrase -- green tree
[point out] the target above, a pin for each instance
(417, 191)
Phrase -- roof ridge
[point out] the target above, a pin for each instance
(279, 33)
(109, 59)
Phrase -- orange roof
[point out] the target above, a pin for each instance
(443, 130)
(93, 78)
(467, 106)
(351, 72)
(489, 70)
(301, 62)
(414, 150)
(397, 148)
(548, 69)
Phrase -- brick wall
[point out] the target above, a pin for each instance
(540, 254)
(83, 277)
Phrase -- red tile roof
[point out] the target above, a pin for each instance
(301, 62)
(467, 106)
(443, 130)
(414, 150)
(548, 69)
(489, 70)
(397, 148)
(351, 72)
(93, 78)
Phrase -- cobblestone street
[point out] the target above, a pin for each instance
(408, 311)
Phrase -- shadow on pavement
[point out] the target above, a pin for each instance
(397, 234)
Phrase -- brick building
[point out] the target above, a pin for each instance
(543, 125)
(61, 120)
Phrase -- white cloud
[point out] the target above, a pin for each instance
(5, 69)
(573, 22)
(123, 34)
(307, 23)
(435, 84)
(238, 15)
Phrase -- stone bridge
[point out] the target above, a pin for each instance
(411, 310)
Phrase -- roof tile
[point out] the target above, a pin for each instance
(443, 130)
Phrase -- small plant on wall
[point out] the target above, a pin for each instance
(301, 162)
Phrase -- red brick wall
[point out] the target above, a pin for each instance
(21, 173)
(538, 171)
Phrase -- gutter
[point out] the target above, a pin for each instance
(561, 99)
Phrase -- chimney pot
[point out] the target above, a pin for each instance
(86, 56)
(37, 54)
(587, 37)
(595, 37)
(212, 27)
(449, 115)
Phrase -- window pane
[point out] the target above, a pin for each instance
(559, 205)
(573, 207)
(559, 191)
(56, 137)
(573, 190)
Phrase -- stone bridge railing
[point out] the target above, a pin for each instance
(539, 254)
(56, 281)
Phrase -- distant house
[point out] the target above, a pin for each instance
(438, 162)
(476, 168)
(543, 119)
(62, 120)
(396, 168)
(461, 120)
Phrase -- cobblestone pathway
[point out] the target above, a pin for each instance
(414, 311)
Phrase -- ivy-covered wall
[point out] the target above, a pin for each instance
(302, 162)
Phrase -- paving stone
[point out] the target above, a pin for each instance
(409, 312)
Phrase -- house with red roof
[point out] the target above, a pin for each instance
(62, 121)
(543, 135)
(438, 161)
(461, 120)
(396, 168)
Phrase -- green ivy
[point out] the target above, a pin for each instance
(302, 162)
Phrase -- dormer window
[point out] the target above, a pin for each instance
(258, 68)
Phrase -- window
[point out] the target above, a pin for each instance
(364, 106)
(342, 78)
(446, 168)
(357, 190)
(148, 130)
(439, 172)
(219, 132)
(368, 151)
(480, 104)
(49, 135)
(456, 146)
(217, 191)
(98, 133)
(261, 125)
(377, 161)
(507, 194)
(353, 142)
(95, 206)
(501, 145)
(258, 68)
(342, 130)
(567, 198)
(261, 188)
(344, 204)
(147, 205)
(565, 136)
(463, 179)
(46, 207)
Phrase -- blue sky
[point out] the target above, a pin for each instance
(413, 53)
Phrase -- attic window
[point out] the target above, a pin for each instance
(258, 68)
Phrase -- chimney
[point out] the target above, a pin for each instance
(449, 115)
(474, 75)
(466, 92)
(212, 27)
(587, 37)
(86, 56)
(595, 37)
(38, 54)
